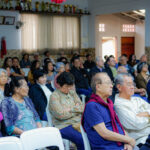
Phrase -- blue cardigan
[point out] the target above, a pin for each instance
(10, 112)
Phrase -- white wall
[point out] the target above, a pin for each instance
(140, 39)
(99, 7)
(113, 27)
(13, 36)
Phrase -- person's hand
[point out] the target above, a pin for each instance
(143, 114)
(128, 147)
(142, 92)
(132, 142)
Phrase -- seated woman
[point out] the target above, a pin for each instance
(39, 93)
(18, 110)
(3, 82)
(25, 62)
(34, 66)
(49, 70)
(142, 78)
(7, 62)
(66, 109)
(16, 70)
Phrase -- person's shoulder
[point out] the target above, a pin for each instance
(93, 105)
(6, 100)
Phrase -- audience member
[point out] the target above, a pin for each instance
(89, 63)
(66, 109)
(132, 60)
(81, 77)
(18, 111)
(110, 68)
(39, 93)
(16, 70)
(7, 62)
(67, 67)
(60, 67)
(25, 62)
(36, 56)
(47, 55)
(133, 112)
(142, 78)
(100, 121)
(34, 66)
(99, 66)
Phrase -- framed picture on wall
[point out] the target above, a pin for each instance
(1, 20)
(9, 20)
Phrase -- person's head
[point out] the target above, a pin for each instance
(123, 60)
(40, 77)
(122, 69)
(8, 69)
(105, 57)
(47, 54)
(132, 57)
(49, 67)
(35, 65)
(143, 58)
(99, 62)
(7, 62)
(25, 56)
(19, 86)
(89, 57)
(125, 85)
(102, 85)
(142, 67)
(36, 56)
(66, 82)
(3, 77)
(63, 59)
(60, 67)
(46, 60)
(111, 61)
(67, 67)
(76, 61)
(15, 61)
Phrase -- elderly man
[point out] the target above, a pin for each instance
(100, 121)
(133, 112)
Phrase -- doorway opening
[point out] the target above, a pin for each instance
(109, 46)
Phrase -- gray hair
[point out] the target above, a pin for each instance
(98, 58)
(3, 70)
(120, 78)
(96, 79)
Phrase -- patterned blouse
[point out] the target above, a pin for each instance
(59, 105)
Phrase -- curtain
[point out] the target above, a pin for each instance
(52, 32)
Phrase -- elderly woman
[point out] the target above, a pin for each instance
(3, 82)
(40, 92)
(18, 110)
(66, 109)
(142, 78)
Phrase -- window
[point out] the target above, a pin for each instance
(128, 28)
(101, 27)
(52, 32)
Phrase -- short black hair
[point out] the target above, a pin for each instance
(15, 58)
(87, 55)
(45, 53)
(38, 73)
(74, 58)
(65, 78)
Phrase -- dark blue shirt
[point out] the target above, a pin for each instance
(95, 114)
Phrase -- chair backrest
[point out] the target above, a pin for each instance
(85, 139)
(10, 143)
(41, 137)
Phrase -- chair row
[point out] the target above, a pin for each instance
(33, 139)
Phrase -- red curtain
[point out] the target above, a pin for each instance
(58, 1)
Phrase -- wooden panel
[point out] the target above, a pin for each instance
(127, 45)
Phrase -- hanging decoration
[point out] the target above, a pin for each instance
(58, 1)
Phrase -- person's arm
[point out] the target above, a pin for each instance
(112, 136)
(17, 131)
(39, 125)
(61, 112)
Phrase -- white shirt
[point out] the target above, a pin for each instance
(136, 127)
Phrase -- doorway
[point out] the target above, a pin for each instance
(109, 46)
(127, 45)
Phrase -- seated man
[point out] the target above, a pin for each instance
(100, 121)
(133, 112)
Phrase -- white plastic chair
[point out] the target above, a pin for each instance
(10, 143)
(41, 137)
(83, 98)
(85, 139)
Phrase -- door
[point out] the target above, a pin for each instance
(127, 45)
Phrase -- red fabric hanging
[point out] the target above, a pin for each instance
(58, 1)
(3, 47)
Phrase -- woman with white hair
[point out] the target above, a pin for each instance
(3, 82)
